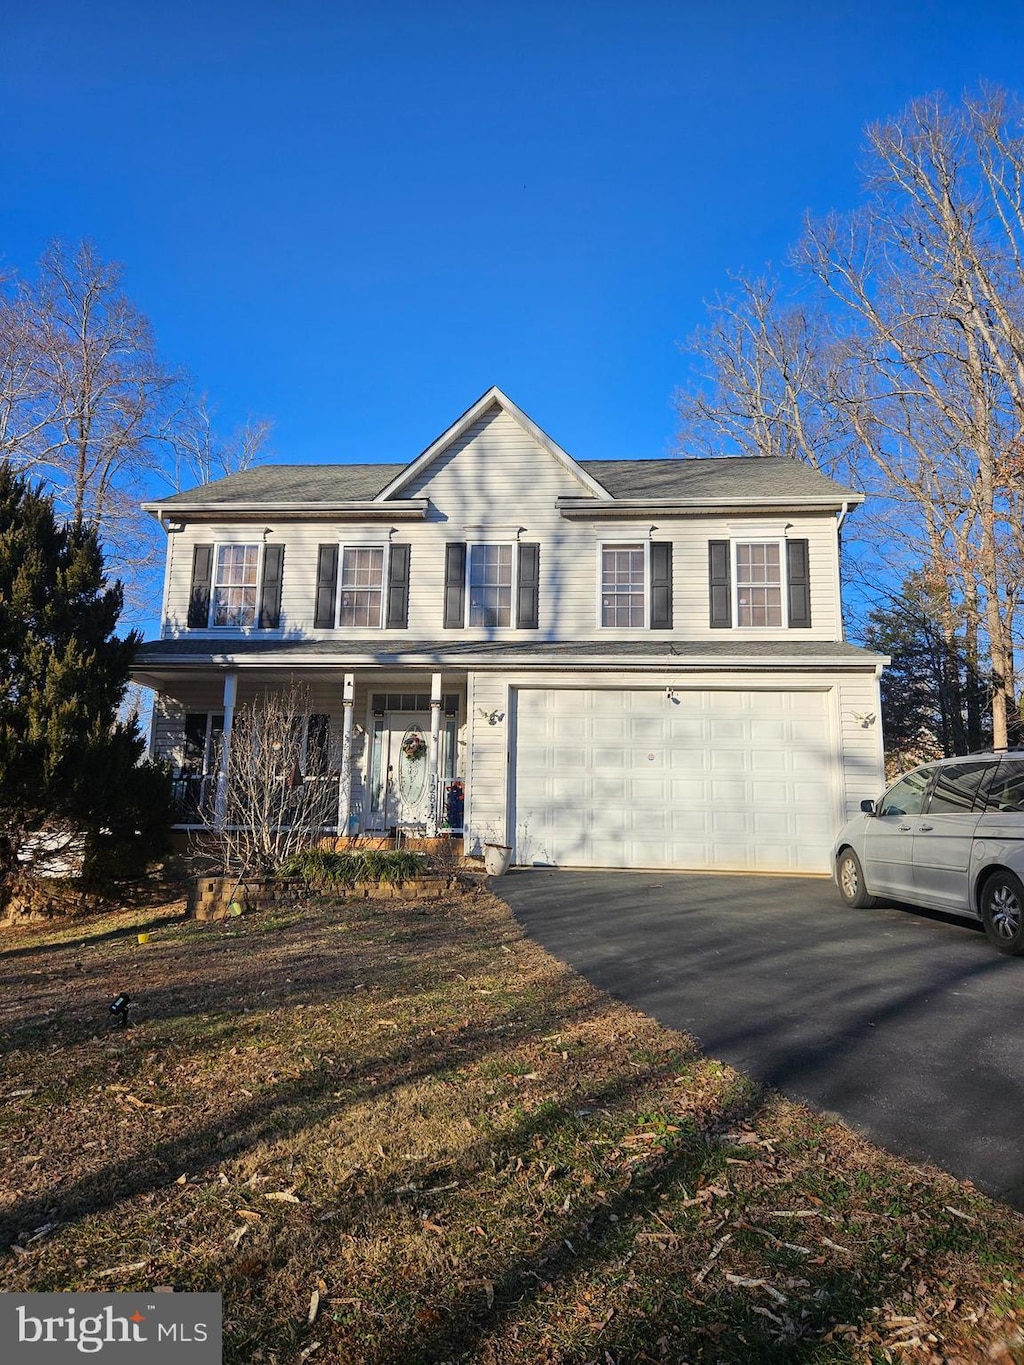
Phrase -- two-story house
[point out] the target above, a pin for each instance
(614, 663)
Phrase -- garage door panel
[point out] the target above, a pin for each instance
(631, 778)
(648, 792)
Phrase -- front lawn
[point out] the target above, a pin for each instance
(403, 1133)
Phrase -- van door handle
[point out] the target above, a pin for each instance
(905, 828)
(926, 826)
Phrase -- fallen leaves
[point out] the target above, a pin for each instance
(716, 1251)
(284, 1196)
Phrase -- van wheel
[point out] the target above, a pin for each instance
(850, 876)
(1002, 912)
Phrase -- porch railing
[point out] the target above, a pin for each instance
(194, 796)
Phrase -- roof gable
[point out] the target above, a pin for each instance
(492, 399)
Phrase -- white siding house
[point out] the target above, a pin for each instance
(635, 663)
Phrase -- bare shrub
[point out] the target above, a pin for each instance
(282, 785)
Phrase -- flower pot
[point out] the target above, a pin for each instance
(497, 858)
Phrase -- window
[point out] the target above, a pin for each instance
(204, 734)
(907, 797)
(362, 585)
(759, 584)
(623, 576)
(236, 585)
(956, 788)
(1006, 790)
(490, 585)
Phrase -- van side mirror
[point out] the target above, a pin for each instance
(869, 807)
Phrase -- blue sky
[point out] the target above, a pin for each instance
(354, 218)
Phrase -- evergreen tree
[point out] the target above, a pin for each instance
(65, 758)
(933, 696)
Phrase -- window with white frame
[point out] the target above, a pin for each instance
(623, 583)
(758, 578)
(236, 585)
(361, 595)
(490, 585)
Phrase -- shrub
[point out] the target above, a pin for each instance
(322, 870)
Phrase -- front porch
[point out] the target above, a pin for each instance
(375, 754)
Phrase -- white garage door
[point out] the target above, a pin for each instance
(709, 779)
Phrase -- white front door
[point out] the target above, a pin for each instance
(407, 797)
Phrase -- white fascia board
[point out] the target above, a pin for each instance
(492, 397)
(406, 509)
(582, 508)
(602, 663)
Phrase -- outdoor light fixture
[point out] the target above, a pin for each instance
(491, 717)
(119, 1008)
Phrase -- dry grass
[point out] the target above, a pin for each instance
(412, 1126)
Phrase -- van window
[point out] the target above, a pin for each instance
(1006, 790)
(907, 797)
(957, 786)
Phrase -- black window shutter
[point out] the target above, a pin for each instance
(528, 602)
(270, 592)
(398, 587)
(454, 585)
(798, 572)
(661, 585)
(326, 587)
(719, 584)
(202, 579)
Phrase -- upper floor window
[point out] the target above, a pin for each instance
(636, 585)
(623, 579)
(235, 585)
(490, 585)
(362, 585)
(758, 583)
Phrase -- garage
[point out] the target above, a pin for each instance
(675, 778)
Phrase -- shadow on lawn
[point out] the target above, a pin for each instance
(292, 1106)
(674, 1315)
(593, 1240)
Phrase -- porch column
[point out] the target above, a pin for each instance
(157, 702)
(220, 806)
(433, 813)
(348, 697)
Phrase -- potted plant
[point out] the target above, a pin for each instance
(497, 858)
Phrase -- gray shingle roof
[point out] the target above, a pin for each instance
(727, 477)
(387, 649)
(293, 483)
(731, 477)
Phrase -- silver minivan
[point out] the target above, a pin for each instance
(947, 836)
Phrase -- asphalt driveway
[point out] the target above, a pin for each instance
(906, 1024)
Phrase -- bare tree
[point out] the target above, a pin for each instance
(101, 390)
(281, 793)
(765, 367)
(930, 270)
(908, 369)
(199, 454)
(87, 404)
